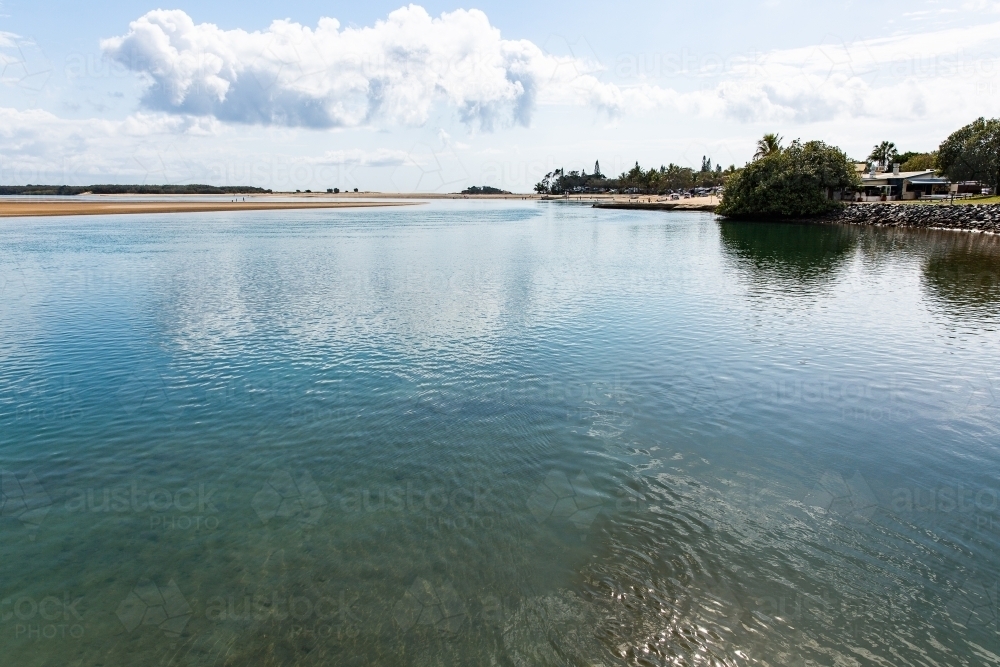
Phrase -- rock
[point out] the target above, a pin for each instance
(972, 217)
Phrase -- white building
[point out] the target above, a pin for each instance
(896, 185)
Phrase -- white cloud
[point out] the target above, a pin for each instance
(398, 69)
(392, 72)
(944, 73)
(40, 147)
(400, 73)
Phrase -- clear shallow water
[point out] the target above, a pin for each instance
(500, 433)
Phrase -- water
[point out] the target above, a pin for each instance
(496, 433)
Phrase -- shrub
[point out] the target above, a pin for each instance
(796, 182)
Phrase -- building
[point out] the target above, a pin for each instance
(896, 185)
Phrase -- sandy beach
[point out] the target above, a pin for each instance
(696, 203)
(16, 208)
(128, 204)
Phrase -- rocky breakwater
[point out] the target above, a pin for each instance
(969, 217)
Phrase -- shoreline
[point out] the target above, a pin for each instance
(20, 208)
(684, 205)
(978, 218)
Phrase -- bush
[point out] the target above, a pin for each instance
(920, 162)
(797, 182)
(973, 153)
(485, 190)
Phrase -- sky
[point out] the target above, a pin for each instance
(437, 97)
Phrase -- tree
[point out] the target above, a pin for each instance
(767, 145)
(919, 162)
(796, 182)
(973, 153)
(597, 169)
(884, 154)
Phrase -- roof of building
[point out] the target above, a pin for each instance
(886, 178)
(903, 174)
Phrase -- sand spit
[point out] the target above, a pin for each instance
(16, 208)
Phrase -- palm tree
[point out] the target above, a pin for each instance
(769, 144)
(884, 154)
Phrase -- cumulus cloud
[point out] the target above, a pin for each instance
(398, 69)
(322, 77)
(906, 77)
(201, 79)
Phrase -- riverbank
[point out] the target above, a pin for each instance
(966, 217)
(693, 204)
(25, 208)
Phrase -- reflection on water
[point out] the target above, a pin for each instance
(962, 275)
(794, 256)
(505, 434)
(960, 271)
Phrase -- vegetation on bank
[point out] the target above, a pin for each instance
(802, 180)
(71, 190)
(669, 178)
(808, 179)
(484, 190)
(973, 153)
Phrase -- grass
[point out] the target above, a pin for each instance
(992, 199)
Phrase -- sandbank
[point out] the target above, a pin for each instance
(21, 207)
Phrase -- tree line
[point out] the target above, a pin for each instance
(667, 178)
(70, 190)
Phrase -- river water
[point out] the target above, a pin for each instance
(508, 433)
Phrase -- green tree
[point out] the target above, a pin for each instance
(919, 161)
(884, 154)
(767, 145)
(799, 181)
(973, 153)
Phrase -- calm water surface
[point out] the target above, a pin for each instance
(496, 434)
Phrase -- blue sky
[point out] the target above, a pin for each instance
(441, 96)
